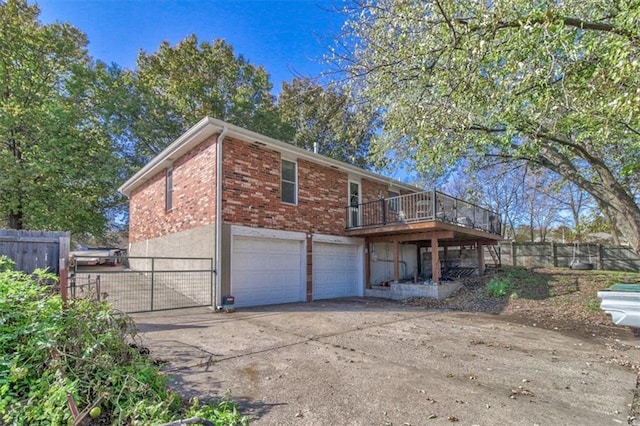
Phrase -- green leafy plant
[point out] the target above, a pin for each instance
(593, 305)
(50, 350)
(6, 264)
(499, 287)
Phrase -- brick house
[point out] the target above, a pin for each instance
(284, 224)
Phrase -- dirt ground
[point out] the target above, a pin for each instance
(472, 360)
(558, 299)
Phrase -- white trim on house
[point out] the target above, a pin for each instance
(336, 239)
(294, 181)
(208, 127)
(246, 231)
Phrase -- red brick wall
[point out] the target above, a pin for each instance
(373, 191)
(194, 201)
(251, 192)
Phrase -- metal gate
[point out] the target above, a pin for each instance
(143, 284)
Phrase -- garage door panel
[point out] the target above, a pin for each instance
(336, 270)
(266, 271)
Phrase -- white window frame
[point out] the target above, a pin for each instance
(355, 213)
(294, 182)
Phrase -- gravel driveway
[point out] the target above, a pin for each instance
(373, 362)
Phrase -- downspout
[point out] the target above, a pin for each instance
(221, 136)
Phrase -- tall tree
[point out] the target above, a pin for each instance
(179, 85)
(324, 118)
(551, 83)
(57, 169)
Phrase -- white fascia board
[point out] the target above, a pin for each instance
(337, 239)
(210, 126)
(246, 231)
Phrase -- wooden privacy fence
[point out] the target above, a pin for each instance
(612, 258)
(31, 250)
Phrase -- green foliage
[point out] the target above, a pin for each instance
(327, 117)
(499, 287)
(57, 166)
(48, 352)
(179, 85)
(509, 79)
(221, 413)
(6, 264)
(592, 306)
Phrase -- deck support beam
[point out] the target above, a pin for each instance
(435, 261)
(480, 249)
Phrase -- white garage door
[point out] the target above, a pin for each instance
(336, 270)
(265, 271)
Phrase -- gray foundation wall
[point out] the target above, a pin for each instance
(191, 252)
(197, 242)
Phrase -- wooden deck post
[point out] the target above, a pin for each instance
(396, 261)
(480, 249)
(435, 261)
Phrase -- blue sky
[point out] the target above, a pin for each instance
(287, 37)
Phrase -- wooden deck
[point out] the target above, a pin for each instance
(422, 212)
(423, 230)
(427, 219)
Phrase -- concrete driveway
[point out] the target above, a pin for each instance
(373, 362)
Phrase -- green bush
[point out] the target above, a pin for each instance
(83, 350)
(499, 287)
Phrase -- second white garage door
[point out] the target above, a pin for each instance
(336, 270)
(266, 271)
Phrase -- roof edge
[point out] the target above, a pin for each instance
(209, 126)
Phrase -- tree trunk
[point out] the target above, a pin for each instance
(612, 223)
(609, 193)
(625, 215)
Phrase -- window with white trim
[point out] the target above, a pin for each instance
(168, 190)
(288, 182)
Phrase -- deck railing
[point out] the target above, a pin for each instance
(419, 207)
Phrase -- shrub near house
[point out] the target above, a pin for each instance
(48, 353)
